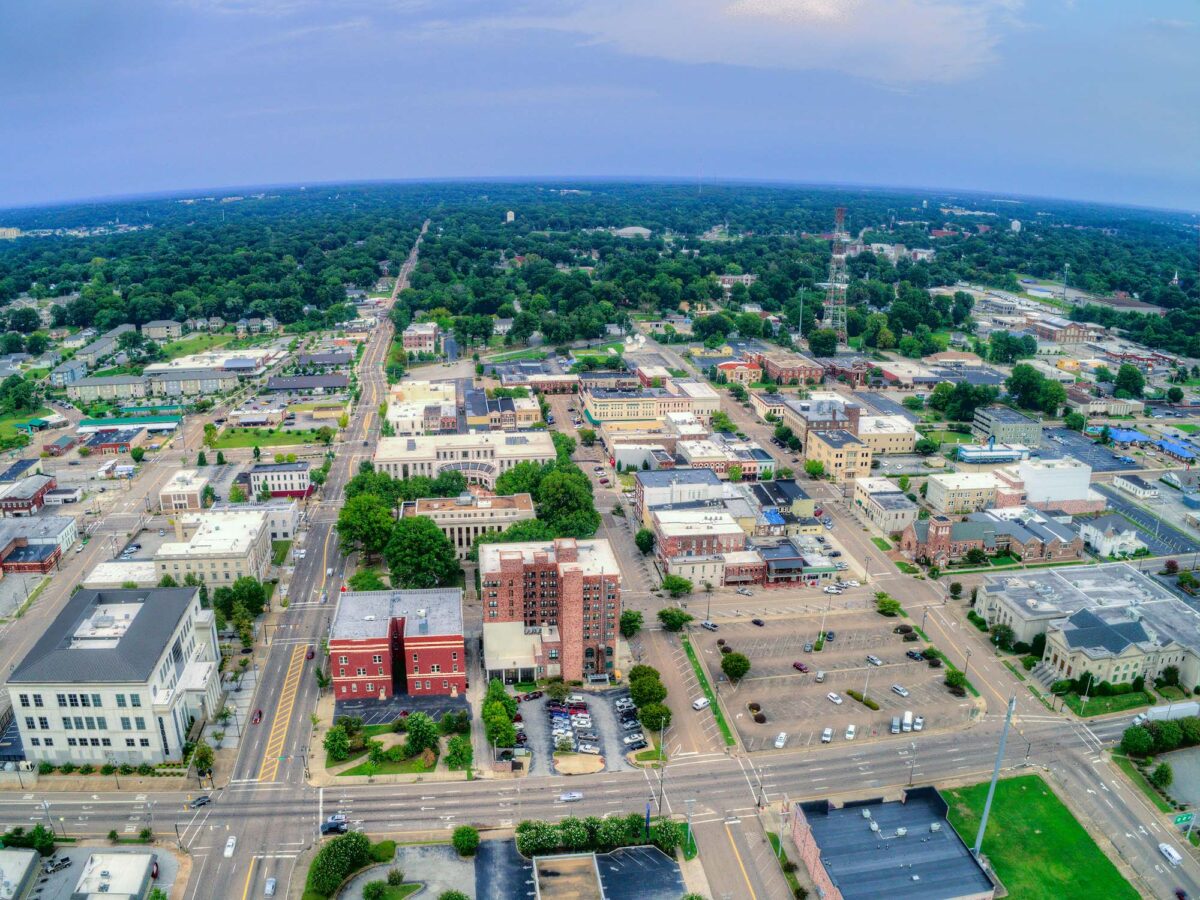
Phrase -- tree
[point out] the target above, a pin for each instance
(337, 743)
(453, 895)
(672, 618)
(587, 437)
(644, 540)
(1175, 394)
(168, 581)
(419, 555)
(1170, 676)
(814, 468)
(887, 606)
(1130, 379)
(1162, 776)
(365, 523)
(631, 623)
(202, 756)
(647, 690)
(1103, 374)
(137, 454)
(422, 734)
(201, 459)
(459, 753)
(220, 458)
(336, 860)
(676, 586)
(956, 589)
(1168, 735)
(257, 453)
(1003, 636)
(1074, 421)
(823, 342)
(465, 840)
(735, 665)
(1137, 741)
(976, 556)
(955, 679)
(655, 716)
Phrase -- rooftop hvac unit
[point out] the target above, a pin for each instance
(935, 826)
(368, 618)
(866, 814)
(874, 825)
(901, 832)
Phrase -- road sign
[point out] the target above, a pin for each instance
(1184, 818)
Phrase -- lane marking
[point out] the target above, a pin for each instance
(281, 722)
(249, 875)
(737, 856)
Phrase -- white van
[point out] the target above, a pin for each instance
(1170, 853)
(907, 723)
(702, 703)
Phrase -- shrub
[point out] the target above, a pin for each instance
(146, 835)
(45, 768)
(107, 769)
(912, 637)
(112, 836)
(754, 707)
(453, 895)
(726, 649)
(383, 852)
(336, 860)
(399, 726)
(760, 718)
(902, 629)
(87, 769)
(38, 838)
(870, 704)
(67, 768)
(125, 769)
(465, 840)
(145, 769)
(395, 877)
(1162, 776)
(375, 890)
(735, 666)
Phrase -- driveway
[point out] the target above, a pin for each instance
(375, 712)
(501, 873)
(537, 728)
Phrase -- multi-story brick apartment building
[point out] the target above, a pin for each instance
(421, 337)
(384, 643)
(573, 586)
(788, 368)
(695, 532)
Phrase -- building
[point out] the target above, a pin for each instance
(1058, 330)
(384, 643)
(183, 492)
(574, 586)
(658, 488)
(1024, 534)
(118, 676)
(26, 496)
(901, 850)
(783, 367)
(336, 359)
(1137, 486)
(1006, 426)
(960, 492)
(799, 559)
(767, 404)
(481, 458)
(843, 456)
(786, 496)
(828, 412)
(283, 515)
(107, 387)
(69, 372)
(727, 454)
(881, 502)
(1110, 620)
(421, 337)
(20, 867)
(64, 443)
(121, 876)
(35, 544)
(887, 435)
(163, 330)
(694, 533)
(218, 546)
(604, 404)
(111, 441)
(1112, 535)
(500, 413)
(308, 384)
(1061, 484)
(740, 371)
(464, 518)
(177, 382)
(288, 479)
(115, 573)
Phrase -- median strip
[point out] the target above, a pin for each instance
(730, 741)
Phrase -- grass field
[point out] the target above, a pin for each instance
(948, 437)
(881, 544)
(279, 551)
(8, 424)
(263, 437)
(529, 353)
(1099, 706)
(196, 343)
(1036, 846)
(412, 766)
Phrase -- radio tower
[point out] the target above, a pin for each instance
(834, 317)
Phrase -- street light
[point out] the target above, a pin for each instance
(967, 668)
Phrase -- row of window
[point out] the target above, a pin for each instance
(85, 723)
(77, 700)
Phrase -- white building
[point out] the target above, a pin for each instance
(1137, 486)
(283, 515)
(1111, 535)
(218, 547)
(183, 492)
(481, 457)
(118, 676)
(287, 479)
(881, 502)
(961, 492)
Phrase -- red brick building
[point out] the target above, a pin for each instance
(695, 532)
(574, 586)
(384, 643)
(26, 496)
(740, 371)
(788, 368)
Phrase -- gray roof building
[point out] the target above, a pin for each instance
(308, 383)
(368, 614)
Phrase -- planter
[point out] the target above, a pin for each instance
(754, 707)
(760, 718)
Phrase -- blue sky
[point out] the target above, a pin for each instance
(1093, 100)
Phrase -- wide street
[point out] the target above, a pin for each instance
(267, 803)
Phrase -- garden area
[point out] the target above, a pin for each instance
(1037, 848)
(1087, 697)
(410, 745)
(1143, 746)
(234, 437)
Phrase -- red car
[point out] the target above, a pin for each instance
(517, 718)
(311, 653)
(799, 667)
(257, 717)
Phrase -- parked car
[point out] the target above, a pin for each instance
(588, 736)
(591, 749)
(639, 745)
(834, 697)
(915, 655)
(829, 636)
(781, 740)
(808, 647)
(900, 689)
(634, 738)
(799, 666)
(52, 865)
(745, 592)
(874, 660)
(702, 703)
(826, 735)
(918, 723)
(851, 731)
(709, 626)
(759, 622)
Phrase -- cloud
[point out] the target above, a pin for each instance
(895, 42)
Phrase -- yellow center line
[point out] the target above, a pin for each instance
(249, 876)
(279, 726)
(741, 866)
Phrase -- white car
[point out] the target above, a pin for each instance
(918, 723)
(834, 698)
(832, 590)
(900, 689)
(591, 749)
(634, 738)
(577, 698)
(570, 797)
(826, 735)
(702, 703)
(781, 741)
(851, 732)
(852, 583)
(230, 846)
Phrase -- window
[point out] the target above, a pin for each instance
(445, 683)
(125, 723)
(377, 658)
(71, 742)
(342, 660)
(121, 700)
(24, 698)
(43, 723)
(36, 742)
(370, 687)
(96, 700)
(417, 685)
(91, 723)
(72, 699)
(135, 699)
(435, 668)
(29, 723)
(102, 723)
(145, 742)
(354, 688)
(62, 699)
(48, 742)
(361, 670)
(130, 742)
(105, 742)
(140, 722)
(427, 685)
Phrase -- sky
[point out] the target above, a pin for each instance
(1086, 99)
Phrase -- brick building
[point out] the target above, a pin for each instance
(421, 337)
(788, 368)
(384, 643)
(574, 586)
(26, 496)
(695, 532)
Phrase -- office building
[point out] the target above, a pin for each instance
(481, 457)
(464, 518)
(120, 876)
(843, 456)
(218, 546)
(695, 532)
(881, 502)
(421, 337)
(1006, 426)
(573, 586)
(288, 479)
(961, 492)
(384, 643)
(887, 435)
(672, 486)
(118, 676)
(183, 492)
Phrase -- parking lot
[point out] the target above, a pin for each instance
(1060, 442)
(1168, 539)
(794, 702)
(536, 719)
(61, 885)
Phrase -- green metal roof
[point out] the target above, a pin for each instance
(134, 421)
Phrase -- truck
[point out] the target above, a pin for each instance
(1170, 711)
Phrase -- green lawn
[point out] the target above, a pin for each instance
(653, 753)
(196, 343)
(1099, 706)
(528, 353)
(412, 766)
(397, 892)
(279, 551)
(1036, 846)
(1125, 764)
(1187, 428)
(906, 568)
(881, 544)
(263, 437)
(948, 437)
(782, 857)
(708, 692)
(8, 424)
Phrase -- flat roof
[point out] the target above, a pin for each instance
(68, 652)
(866, 863)
(964, 481)
(114, 875)
(1006, 415)
(884, 425)
(594, 557)
(526, 445)
(301, 466)
(509, 645)
(426, 505)
(363, 615)
(837, 438)
(567, 877)
(667, 477)
(114, 572)
(185, 480)
(681, 522)
(226, 532)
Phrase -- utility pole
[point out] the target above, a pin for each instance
(987, 806)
